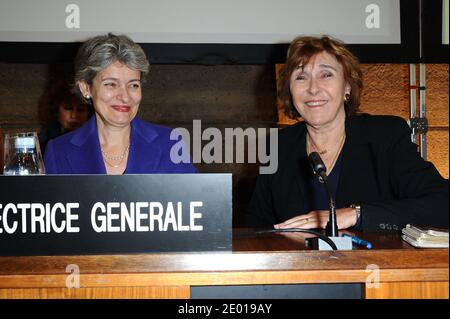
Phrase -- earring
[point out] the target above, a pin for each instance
(87, 96)
(347, 97)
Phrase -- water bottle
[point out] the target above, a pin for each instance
(23, 155)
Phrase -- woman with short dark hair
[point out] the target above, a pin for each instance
(62, 112)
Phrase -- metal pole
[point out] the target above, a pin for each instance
(422, 111)
(412, 100)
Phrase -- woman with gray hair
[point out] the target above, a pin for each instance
(109, 73)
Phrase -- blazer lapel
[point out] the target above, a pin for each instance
(353, 153)
(145, 155)
(302, 170)
(85, 156)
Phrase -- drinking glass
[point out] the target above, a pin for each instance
(22, 154)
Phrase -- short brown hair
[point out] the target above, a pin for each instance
(301, 50)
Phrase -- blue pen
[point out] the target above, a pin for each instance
(359, 241)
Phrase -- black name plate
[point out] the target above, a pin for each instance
(104, 214)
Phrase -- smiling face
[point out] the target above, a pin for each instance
(318, 90)
(116, 94)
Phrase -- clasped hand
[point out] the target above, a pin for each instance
(346, 217)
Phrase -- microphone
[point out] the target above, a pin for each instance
(331, 230)
(317, 165)
(320, 170)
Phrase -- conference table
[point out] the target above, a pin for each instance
(391, 269)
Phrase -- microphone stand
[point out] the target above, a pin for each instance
(331, 229)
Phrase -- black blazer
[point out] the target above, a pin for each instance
(381, 170)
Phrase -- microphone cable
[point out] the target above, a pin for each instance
(301, 230)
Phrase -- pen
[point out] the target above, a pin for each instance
(359, 241)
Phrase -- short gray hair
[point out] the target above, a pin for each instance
(99, 52)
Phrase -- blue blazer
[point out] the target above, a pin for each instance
(79, 152)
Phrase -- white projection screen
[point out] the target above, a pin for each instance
(215, 31)
(201, 21)
(435, 31)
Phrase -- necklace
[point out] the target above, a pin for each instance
(120, 157)
(315, 146)
(337, 154)
(341, 144)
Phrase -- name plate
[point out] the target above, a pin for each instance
(105, 214)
